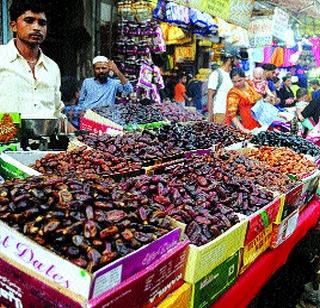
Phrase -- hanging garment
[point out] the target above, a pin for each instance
(277, 57)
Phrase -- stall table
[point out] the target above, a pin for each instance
(255, 277)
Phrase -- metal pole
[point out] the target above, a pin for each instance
(4, 21)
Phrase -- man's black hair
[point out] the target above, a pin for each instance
(269, 67)
(19, 7)
(302, 92)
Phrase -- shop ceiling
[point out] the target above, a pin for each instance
(297, 8)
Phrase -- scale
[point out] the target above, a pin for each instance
(43, 134)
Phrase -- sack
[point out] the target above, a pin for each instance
(265, 113)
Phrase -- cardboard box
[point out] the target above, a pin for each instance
(15, 119)
(150, 286)
(202, 260)
(40, 261)
(262, 219)
(256, 247)
(211, 287)
(19, 289)
(310, 186)
(282, 231)
(94, 123)
(292, 200)
(178, 299)
(11, 168)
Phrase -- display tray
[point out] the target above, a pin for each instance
(263, 218)
(10, 168)
(255, 248)
(178, 299)
(212, 286)
(203, 259)
(22, 288)
(292, 200)
(45, 263)
(283, 230)
(150, 286)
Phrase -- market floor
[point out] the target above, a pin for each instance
(286, 287)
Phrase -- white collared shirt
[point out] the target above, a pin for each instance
(37, 97)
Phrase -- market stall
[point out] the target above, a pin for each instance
(162, 206)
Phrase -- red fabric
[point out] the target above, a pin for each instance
(255, 277)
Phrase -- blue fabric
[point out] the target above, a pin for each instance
(72, 112)
(94, 94)
(271, 86)
(315, 95)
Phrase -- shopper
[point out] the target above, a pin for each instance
(180, 91)
(260, 84)
(286, 94)
(269, 73)
(194, 91)
(306, 109)
(219, 85)
(315, 84)
(101, 90)
(29, 80)
(241, 98)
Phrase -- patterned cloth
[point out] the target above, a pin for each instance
(239, 103)
(94, 94)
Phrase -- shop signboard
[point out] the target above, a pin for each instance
(260, 32)
(280, 24)
(217, 8)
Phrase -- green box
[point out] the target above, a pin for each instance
(12, 169)
(211, 287)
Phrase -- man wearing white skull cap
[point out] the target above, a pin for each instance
(101, 90)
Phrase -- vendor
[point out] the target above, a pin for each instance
(29, 80)
(101, 90)
(269, 73)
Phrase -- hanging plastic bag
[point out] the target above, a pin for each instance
(265, 113)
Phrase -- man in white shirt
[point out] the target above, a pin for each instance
(219, 85)
(29, 80)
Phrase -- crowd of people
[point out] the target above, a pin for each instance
(30, 83)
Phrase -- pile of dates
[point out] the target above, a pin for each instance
(131, 113)
(260, 173)
(175, 112)
(84, 221)
(82, 162)
(136, 146)
(204, 197)
(294, 142)
(284, 159)
(200, 135)
(167, 141)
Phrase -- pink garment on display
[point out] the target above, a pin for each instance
(288, 52)
(268, 52)
(315, 41)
